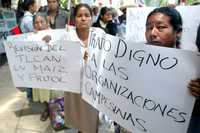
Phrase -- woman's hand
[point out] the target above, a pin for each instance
(46, 38)
(194, 87)
(85, 57)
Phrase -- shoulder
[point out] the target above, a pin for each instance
(28, 17)
(62, 12)
(28, 14)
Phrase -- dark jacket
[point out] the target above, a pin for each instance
(60, 19)
(111, 28)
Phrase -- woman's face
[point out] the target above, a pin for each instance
(40, 23)
(52, 5)
(107, 17)
(33, 8)
(83, 18)
(160, 32)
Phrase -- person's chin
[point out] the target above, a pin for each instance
(156, 43)
(84, 26)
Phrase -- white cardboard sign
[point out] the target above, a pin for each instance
(141, 87)
(39, 65)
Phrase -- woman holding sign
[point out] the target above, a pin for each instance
(41, 95)
(164, 28)
(79, 113)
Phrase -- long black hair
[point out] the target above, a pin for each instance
(103, 11)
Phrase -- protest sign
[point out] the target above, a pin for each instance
(55, 35)
(50, 66)
(136, 19)
(141, 87)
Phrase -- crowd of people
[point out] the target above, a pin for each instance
(163, 28)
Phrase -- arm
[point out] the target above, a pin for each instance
(46, 38)
(194, 87)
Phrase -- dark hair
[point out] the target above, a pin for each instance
(6, 3)
(58, 1)
(39, 14)
(103, 11)
(173, 14)
(22, 6)
(20, 11)
(28, 3)
(80, 6)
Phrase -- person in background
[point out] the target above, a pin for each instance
(12, 28)
(115, 16)
(57, 17)
(30, 8)
(95, 13)
(41, 95)
(164, 28)
(6, 4)
(40, 22)
(105, 21)
(79, 114)
(122, 23)
(122, 18)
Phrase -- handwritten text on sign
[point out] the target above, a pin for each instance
(141, 87)
(39, 65)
